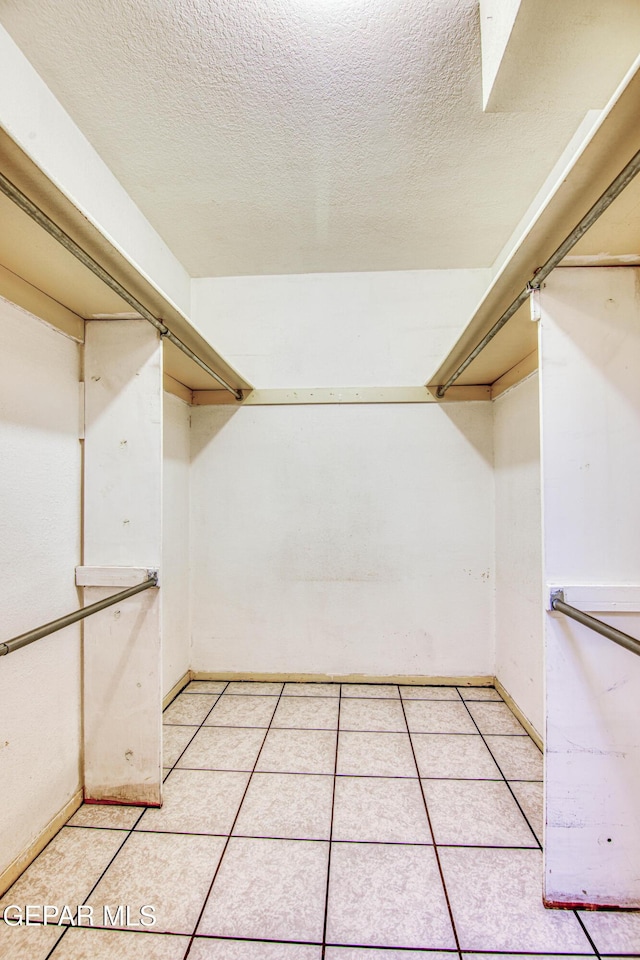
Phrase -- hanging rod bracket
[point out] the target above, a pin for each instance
(559, 604)
(556, 594)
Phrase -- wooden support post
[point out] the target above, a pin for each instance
(122, 529)
(590, 409)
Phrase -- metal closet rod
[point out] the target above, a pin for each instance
(626, 641)
(614, 189)
(26, 638)
(21, 200)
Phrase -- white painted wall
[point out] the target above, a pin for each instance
(176, 626)
(337, 329)
(519, 628)
(38, 123)
(343, 539)
(122, 670)
(590, 403)
(39, 549)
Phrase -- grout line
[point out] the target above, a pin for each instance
(127, 835)
(586, 933)
(333, 801)
(94, 926)
(433, 837)
(484, 953)
(198, 727)
(224, 849)
(374, 776)
(467, 953)
(256, 836)
(168, 723)
(315, 943)
(228, 939)
(430, 733)
(517, 802)
(351, 946)
(200, 693)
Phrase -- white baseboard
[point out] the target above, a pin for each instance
(176, 688)
(11, 873)
(517, 712)
(479, 681)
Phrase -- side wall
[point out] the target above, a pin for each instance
(40, 686)
(519, 610)
(176, 631)
(343, 539)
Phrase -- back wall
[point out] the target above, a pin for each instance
(343, 539)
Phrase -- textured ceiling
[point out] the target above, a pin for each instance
(284, 136)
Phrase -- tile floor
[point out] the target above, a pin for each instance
(313, 820)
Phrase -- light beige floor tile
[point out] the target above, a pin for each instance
(167, 871)
(197, 801)
(320, 713)
(274, 889)
(206, 686)
(204, 949)
(526, 956)
(476, 813)
(298, 751)
(530, 796)
(27, 943)
(241, 711)
(111, 815)
(356, 714)
(375, 755)
(496, 900)
(429, 693)
(85, 944)
(187, 709)
(359, 953)
(613, 932)
(223, 748)
(311, 690)
(387, 895)
(517, 757)
(174, 740)
(370, 690)
(379, 810)
(495, 718)
(457, 756)
(429, 716)
(67, 868)
(292, 806)
(479, 693)
(254, 688)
